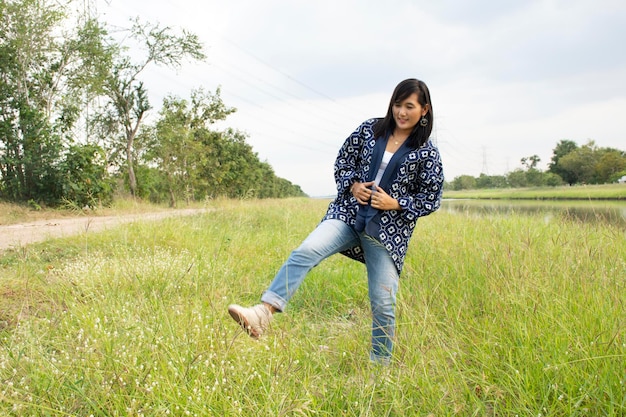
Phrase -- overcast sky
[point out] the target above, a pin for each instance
(508, 79)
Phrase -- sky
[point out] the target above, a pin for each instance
(508, 79)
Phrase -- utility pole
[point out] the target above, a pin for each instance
(485, 169)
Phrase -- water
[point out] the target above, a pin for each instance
(605, 212)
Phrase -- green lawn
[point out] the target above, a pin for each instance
(497, 316)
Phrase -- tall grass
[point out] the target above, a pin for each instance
(497, 316)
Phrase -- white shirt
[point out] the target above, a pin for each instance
(383, 166)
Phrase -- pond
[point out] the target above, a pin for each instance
(607, 212)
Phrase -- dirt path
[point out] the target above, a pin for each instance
(17, 235)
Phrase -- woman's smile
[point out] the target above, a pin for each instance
(408, 112)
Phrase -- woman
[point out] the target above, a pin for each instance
(388, 174)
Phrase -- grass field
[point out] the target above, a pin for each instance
(578, 192)
(15, 213)
(497, 316)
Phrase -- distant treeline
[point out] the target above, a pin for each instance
(570, 165)
(73, 108)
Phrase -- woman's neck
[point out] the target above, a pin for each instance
(398, 136)
(401, 133)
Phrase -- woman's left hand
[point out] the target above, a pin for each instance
(382, 201)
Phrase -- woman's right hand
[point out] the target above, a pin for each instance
(362, 191)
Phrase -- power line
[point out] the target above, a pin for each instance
(302, 110)
(279, 71)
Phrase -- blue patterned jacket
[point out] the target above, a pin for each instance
(414, 177)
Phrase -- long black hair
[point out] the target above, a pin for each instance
(420, 134)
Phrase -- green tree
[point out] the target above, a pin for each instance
(128, 97)
(588, 164)
(244, 172)
(563, 148)
(517, 178)
(609, 166)
(578, 166)
(531, 162)
(534, 177)
(42, 71)
(180, 147)
(464, 182)
(86, 181)
(29, 146)
(491, 181)
(552, 180)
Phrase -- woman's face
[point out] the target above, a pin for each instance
(408, 112)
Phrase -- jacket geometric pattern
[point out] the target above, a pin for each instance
(414, 177)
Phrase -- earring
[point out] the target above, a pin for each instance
(423, 121)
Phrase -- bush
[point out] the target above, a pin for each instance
(85, 182)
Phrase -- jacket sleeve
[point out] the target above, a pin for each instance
(425, 197)
(348, 159)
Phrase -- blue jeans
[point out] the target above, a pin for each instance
(330, 237)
